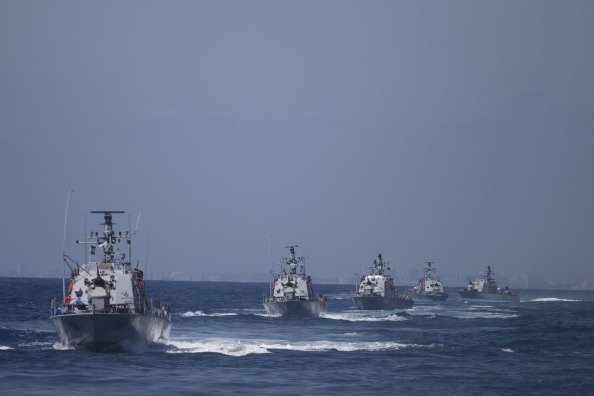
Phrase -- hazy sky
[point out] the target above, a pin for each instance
(460, 132)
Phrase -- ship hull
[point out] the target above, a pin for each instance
(295, 308)
(471, 294)
(382, 303)
(105, 332)
(429, 297)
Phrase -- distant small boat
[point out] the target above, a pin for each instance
(429, 287)
(376, 290)
(105, 307)
(486, 289)
(292, 292)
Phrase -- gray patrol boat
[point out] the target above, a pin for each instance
(376, 290)
(486, 289)
(429, 287)
(292, 292)
(105, 307)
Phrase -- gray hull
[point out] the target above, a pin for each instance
(382, 303)
(488, 296)
(429, 297)
(110, 332)
(296, 308)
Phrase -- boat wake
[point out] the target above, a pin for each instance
(222, 346)
(467, 312)
(190, 314)
(243, 348)
(547, 299)
(327, 346)
(483, 315)
(358, 317)
(58, 346)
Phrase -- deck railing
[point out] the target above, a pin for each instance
(158, 309)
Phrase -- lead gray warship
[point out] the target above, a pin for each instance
(429, 287)
(105, 308)
(292, 293)
(486, 289)
(376, 290)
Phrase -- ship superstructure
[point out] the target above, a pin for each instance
(377, 291)
(291, 292)
(105, 307)
(429, 287)
(485, 288)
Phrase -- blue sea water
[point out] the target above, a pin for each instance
(222, 342)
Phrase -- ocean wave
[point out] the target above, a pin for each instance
(507, 350)
(482, 315)
(58, 346)
(43, 345)
(242, 348)
(327, 346)
(225, 347)
(546, 299)
(5, 348)
(355, 317)
(190, 314)
(338, 296)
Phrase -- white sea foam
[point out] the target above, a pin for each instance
(545, 299)
(242, 348)
(200, 313)
(47, 345)
(507, 350)
(58, 346)
(356, 317)
(4, 348)
(326, 346)
(483, 314)
(494, 315)
(225, 347)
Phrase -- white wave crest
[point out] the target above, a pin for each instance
(58, 346)
(507, 350)
(4, 348)
(43, 345)
(225, 347)
(482, 313)
(546, 299)
(324, 346)
(190, 314)
(242, 348)
(353, 317)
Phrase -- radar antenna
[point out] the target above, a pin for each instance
(293, 261)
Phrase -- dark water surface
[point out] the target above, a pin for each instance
(222, 342)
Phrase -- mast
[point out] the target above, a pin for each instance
(489, 274)
(293, 260)
(64, 246)
(379, 266)
(429, 270)
(108, 235)
(107, 241)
